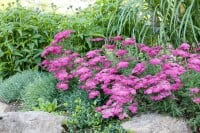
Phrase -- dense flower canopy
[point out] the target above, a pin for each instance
(115, 73)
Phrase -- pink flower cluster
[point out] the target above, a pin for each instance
(139, 68)
(195, 94)
(95, 70)
(63, 63)
(98, 74)
(98, 39)
(61, 36)
(54, 49)
(150, 51)
(129, 41)
(194, 62)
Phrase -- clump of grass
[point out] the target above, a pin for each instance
(11, 88)
(157, 22)
(43, 87)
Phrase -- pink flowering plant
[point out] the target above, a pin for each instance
(116, 74)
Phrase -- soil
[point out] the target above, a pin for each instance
(14, 106)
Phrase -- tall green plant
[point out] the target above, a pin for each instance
(157, 21)
(176, 20)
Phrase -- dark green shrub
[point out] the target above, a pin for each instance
(43, 87)
(11, 88)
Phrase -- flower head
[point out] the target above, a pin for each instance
(133, 108)
(62, 35)
(121, 52)
(122, 64)
(139, 68)
(93, 94)
(155, 61)
(179, 52)
(62, 86)
(98, 39)
(194, 90)
(129, 41)
(117, 38)
(52, 50)
(196, 100)
(184, 46)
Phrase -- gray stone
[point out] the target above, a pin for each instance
(3, 107)
(30, 122)
(155, 123)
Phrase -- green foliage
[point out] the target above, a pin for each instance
(11, 88)
(23, 35)
(157, 21)
(82, 115)
(195, 122)
(128, 18)
(89, 23)
(46, 106)
(190, 79)
(42, 87)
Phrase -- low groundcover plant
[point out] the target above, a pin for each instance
(116, 75)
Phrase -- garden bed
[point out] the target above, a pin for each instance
(101, 66)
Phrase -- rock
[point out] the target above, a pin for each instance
(155, 123)
(3, 107)
(30, 122)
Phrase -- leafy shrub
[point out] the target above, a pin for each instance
(41, 88)
(11, 88)
(23, 35)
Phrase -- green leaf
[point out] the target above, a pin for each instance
(20, 32)
(1, 53)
